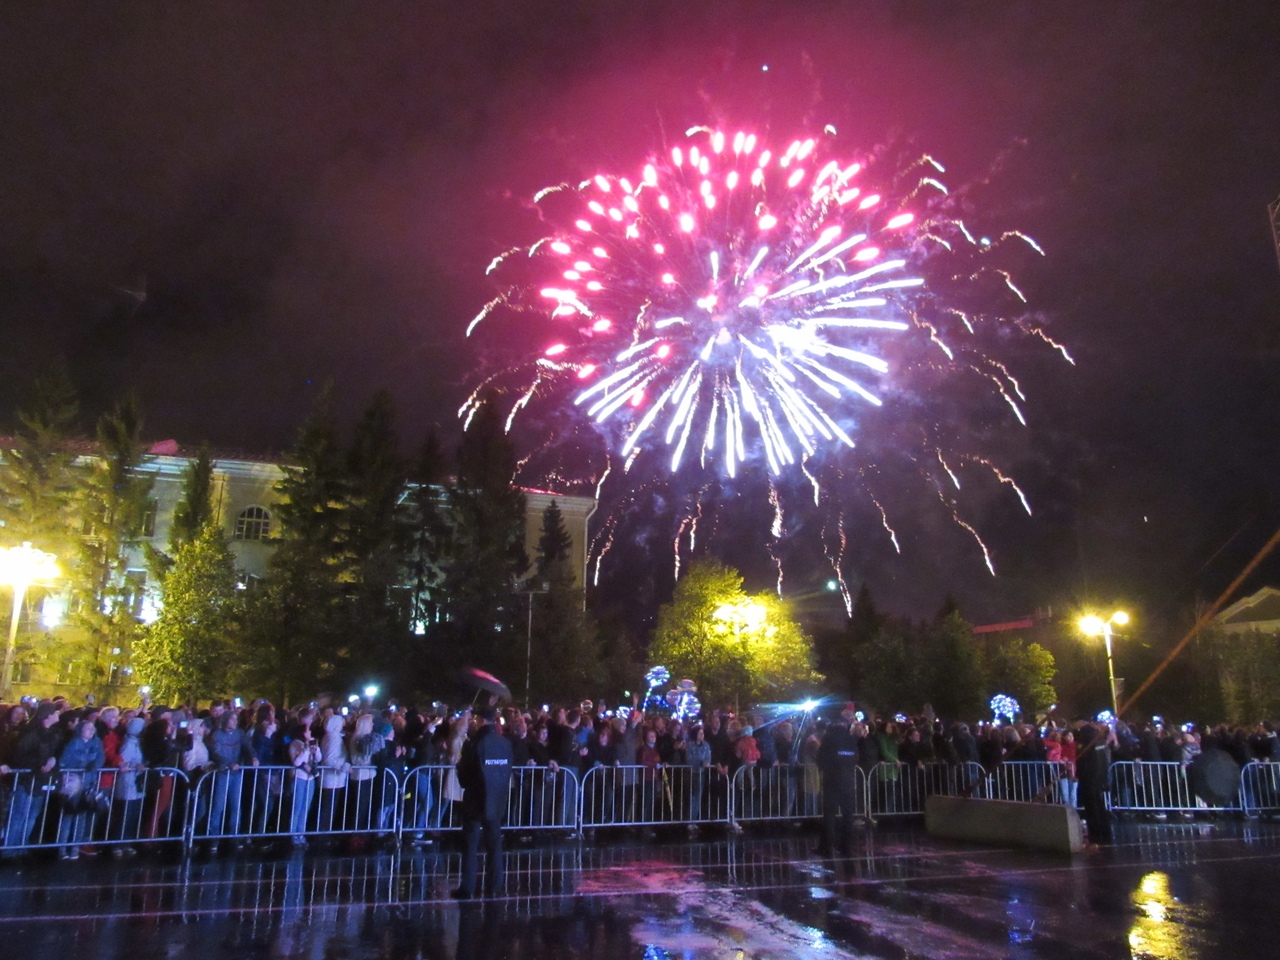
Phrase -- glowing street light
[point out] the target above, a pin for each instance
(1095, 626)
(20, 567)
(370, 691)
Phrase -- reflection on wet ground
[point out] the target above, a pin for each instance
(1185, 891)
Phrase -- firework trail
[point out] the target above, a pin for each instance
(730, 304)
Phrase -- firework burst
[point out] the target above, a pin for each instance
(731, 303)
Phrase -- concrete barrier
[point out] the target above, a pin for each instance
(1040, 826)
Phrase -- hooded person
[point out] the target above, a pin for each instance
(336, 766)
(130, 789)
(484, 771)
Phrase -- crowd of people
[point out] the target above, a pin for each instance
(77, 777)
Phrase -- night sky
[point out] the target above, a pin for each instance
(222, 206)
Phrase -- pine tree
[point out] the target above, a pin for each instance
(38, 482)
(953, 669)
(485, 550)
(295, 640)
(186, 654)
(190, 516)
(114, 501)
(371, 541)
(566, 656)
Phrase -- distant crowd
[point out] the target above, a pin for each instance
(76, 775)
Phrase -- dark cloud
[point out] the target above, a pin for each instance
(224, 205)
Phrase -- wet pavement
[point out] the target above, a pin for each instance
(1189, 891)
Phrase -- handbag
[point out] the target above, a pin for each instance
(452, 787)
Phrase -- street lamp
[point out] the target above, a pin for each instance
(530, 591)
(20, 567)
(1095, 626)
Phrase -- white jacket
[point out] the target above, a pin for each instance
(333, 755)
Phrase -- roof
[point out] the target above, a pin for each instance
(1260, 611)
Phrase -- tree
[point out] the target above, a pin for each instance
(371, 540)
(191, 514)
(733, 646)
(1024, 671)
(185, 655)
(953, 677)
(295, 641)
(38, 484)
(890, 667)
(115, 499)
(484, 551)
(568, 660)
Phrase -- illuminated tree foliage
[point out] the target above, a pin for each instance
(1023, 670)
(736, 647)
(185, 654)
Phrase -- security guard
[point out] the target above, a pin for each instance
(484, 772)
(838, 761)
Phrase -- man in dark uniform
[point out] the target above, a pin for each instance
(484, 772)
(838, 761)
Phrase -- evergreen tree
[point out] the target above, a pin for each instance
(295, 642)
(371, 541)
(38, 484)
(566, 658)
(424, 536)
(864, 624)
(186, 654)
(114, 502)
(485, 550)
(190, 516)
(890, 668)
(953, 668)
(39, 493)
(195, 509)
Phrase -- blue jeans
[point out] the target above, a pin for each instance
(25, 808)
(224, 802)
(300, 805)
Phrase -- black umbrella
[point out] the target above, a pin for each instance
(484, 681)
(1215, 777)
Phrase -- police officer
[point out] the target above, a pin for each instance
(484, 772)
(838, 761)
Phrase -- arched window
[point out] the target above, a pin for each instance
(254, 523)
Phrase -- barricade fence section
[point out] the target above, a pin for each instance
(70, 809)
(267, 802)
(1260, 789)
(1136, 786)
(638, 796)
(899, 789)
(780, 792)
(1029, 781)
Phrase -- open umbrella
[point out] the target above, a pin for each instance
(487, 682)
(1215, 777)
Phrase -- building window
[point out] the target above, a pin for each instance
(254, 523)
(148, 526)
(135, 592)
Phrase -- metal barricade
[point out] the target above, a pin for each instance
(543, 799)
(899, 789)
(268, 802)
(1260, 789)
(539, 799)
(1028, 781)
(777, 793)
(73, 809)
(425, 807)
(1137, 786)
(637, 796)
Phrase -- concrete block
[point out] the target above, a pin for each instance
(1039, 826)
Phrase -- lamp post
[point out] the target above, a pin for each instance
(530, 591)
(20, 567)
(1095, 626)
